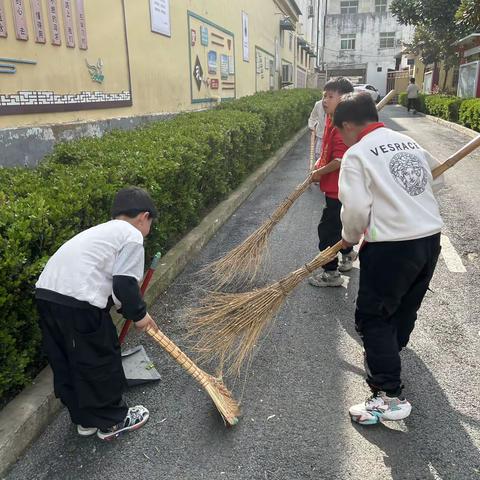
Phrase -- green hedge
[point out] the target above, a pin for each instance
(469, 114)
(443, 106)
(465, 111)
(188, 165)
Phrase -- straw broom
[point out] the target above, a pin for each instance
(218, 392)
(243, 262)
(229, 325)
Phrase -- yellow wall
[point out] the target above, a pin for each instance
(159, 65)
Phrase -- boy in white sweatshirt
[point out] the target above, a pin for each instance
(386, 189)
(74, 295)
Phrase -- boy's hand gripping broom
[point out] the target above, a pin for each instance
(229, 325)
(244, 261)
(221, 396)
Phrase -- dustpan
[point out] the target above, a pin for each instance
(136, 363)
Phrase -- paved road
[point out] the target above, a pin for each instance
(309, 370)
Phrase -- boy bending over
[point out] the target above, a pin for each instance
(74, 296)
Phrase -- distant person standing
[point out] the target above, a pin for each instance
(412, 96)
(316, 123)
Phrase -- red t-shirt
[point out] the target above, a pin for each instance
(332, 147)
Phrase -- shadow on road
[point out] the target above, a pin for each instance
(433, 442)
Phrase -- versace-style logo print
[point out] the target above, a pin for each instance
(409, 173)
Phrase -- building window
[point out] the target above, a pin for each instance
(348, 6)
(282, 38)
(387, 40)
(290, 42)
(380, 6)
(347, 42)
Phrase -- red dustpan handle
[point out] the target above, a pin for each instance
(143, 288)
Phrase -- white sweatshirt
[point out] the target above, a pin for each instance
(386, 189)
(317, 119)
(83, 268)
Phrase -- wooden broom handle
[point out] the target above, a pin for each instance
(385, 99)
(456, 157)
(181, 358)
(312, 150)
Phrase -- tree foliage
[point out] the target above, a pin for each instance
(468, 16)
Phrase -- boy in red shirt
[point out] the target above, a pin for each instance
(333, 149)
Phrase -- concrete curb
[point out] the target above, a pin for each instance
(27, 415)
(454, 126)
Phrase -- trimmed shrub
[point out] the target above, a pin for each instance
(443, 106)
(188, 164)
(469, 114)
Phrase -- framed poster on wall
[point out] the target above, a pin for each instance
(246, 52)
(160, 17)
(212, 61)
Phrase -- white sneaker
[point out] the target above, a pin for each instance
(326, 279)
(86, 432)
(346, 262)
(136, 417)
(380, 407)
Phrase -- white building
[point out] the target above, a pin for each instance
(360, 39)
(307, 43)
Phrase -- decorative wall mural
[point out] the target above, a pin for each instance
(73, 12)
(96, 71)
(8, 65)
(37, 100)
(212, 60)
(60, 79)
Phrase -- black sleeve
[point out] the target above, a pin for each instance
(126, 289)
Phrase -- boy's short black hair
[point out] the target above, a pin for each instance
(412, 80)
(340, 85)
(131, 201)
(358, 108)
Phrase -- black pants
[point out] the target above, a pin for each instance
(394, 277)
(330, 229)
(411, 103)
(83, 350)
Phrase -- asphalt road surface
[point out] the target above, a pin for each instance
(308, 371)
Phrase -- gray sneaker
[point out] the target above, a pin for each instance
(346, 263)
(326, 279)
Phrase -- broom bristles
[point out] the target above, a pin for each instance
(243, 263)
(228, 325)
(223, 399)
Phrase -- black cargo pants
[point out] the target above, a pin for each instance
(394, 277)
(82, 348)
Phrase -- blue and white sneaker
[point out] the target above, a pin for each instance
(380, 407)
